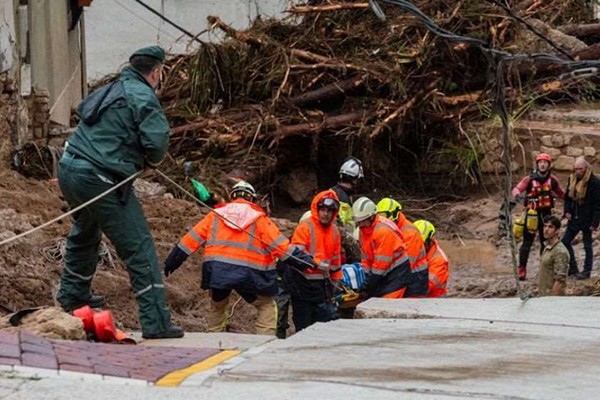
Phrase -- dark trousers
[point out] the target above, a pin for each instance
(570, 233)
(306, 313)
(529, 237)
(283, 300)
(123, 222)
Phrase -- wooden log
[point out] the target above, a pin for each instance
(331, 93)
(192, 126)
(328, 7)
(328, 122)
(581, 30)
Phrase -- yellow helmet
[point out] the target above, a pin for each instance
(426, 229)
(389, 208)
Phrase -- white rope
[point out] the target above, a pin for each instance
(87, 203)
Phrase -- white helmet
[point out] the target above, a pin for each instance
(363, 208)
(353, 168)
(242, 187)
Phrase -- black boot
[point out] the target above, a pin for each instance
(94, 301)
(172, 332)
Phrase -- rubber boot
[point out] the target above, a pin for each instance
(217, 317)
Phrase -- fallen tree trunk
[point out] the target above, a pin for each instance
(329, 7)
(334, 92)
(332, 122)
(582, 30)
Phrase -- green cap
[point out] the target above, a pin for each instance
(151, 51)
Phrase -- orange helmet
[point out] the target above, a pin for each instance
(543, 156)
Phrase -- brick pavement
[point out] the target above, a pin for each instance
(126, 361)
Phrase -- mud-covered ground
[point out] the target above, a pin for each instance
(480, 262)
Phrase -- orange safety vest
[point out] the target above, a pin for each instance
(227, 243)
(415, 248)
(322, 242)
(383, 251)
(439, 270)
(539, 195)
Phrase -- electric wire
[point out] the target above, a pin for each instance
(167, 20)
(497, 60)
(158, 28)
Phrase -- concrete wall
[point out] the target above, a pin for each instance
(116, 28)
(55, 56)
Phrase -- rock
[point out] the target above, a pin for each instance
(554, 153)
(564, 163)
(49, 322)
(558, 140)
(589, 151)
(574, 151)
(547, 140)
(567, 139)
(300, 185)
(148, 190)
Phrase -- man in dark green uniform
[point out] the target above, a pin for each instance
(123, 129)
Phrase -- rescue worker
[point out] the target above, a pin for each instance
(123, 130)
(415, 248)
(540, 188)
(241, 245)
(554, 262)
(582, 210)
(311, 289)
(383, 252)
(350, 173)
(437, 261)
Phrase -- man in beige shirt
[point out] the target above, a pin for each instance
(554, 263)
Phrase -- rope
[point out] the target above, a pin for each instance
(55, 253)
(73, 211)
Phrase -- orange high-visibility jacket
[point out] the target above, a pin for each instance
(384, 258)
(439, 270)
(415, 248)
(322, 242)
(226, 243)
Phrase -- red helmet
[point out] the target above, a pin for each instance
(543, 156)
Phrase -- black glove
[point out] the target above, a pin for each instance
(174, 260)
(300, 260)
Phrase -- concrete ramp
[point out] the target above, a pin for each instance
(418, 359)
(555, 311)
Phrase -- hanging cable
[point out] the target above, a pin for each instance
(167, 20)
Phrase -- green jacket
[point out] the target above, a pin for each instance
(122, 128)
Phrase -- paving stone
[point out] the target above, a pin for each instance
(30, 338)
(82, 360)
(77, 368)
(10, 361)
(112, 370)
(39, 360)
(10, 350)
(9, 338)
(34, 348)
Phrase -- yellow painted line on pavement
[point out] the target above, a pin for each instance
(176, 377)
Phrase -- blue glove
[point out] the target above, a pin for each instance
(353, 276)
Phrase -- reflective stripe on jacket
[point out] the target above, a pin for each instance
(438, 270)
(384, 258)
(415, 248)
(226, 243)
(322, 242)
